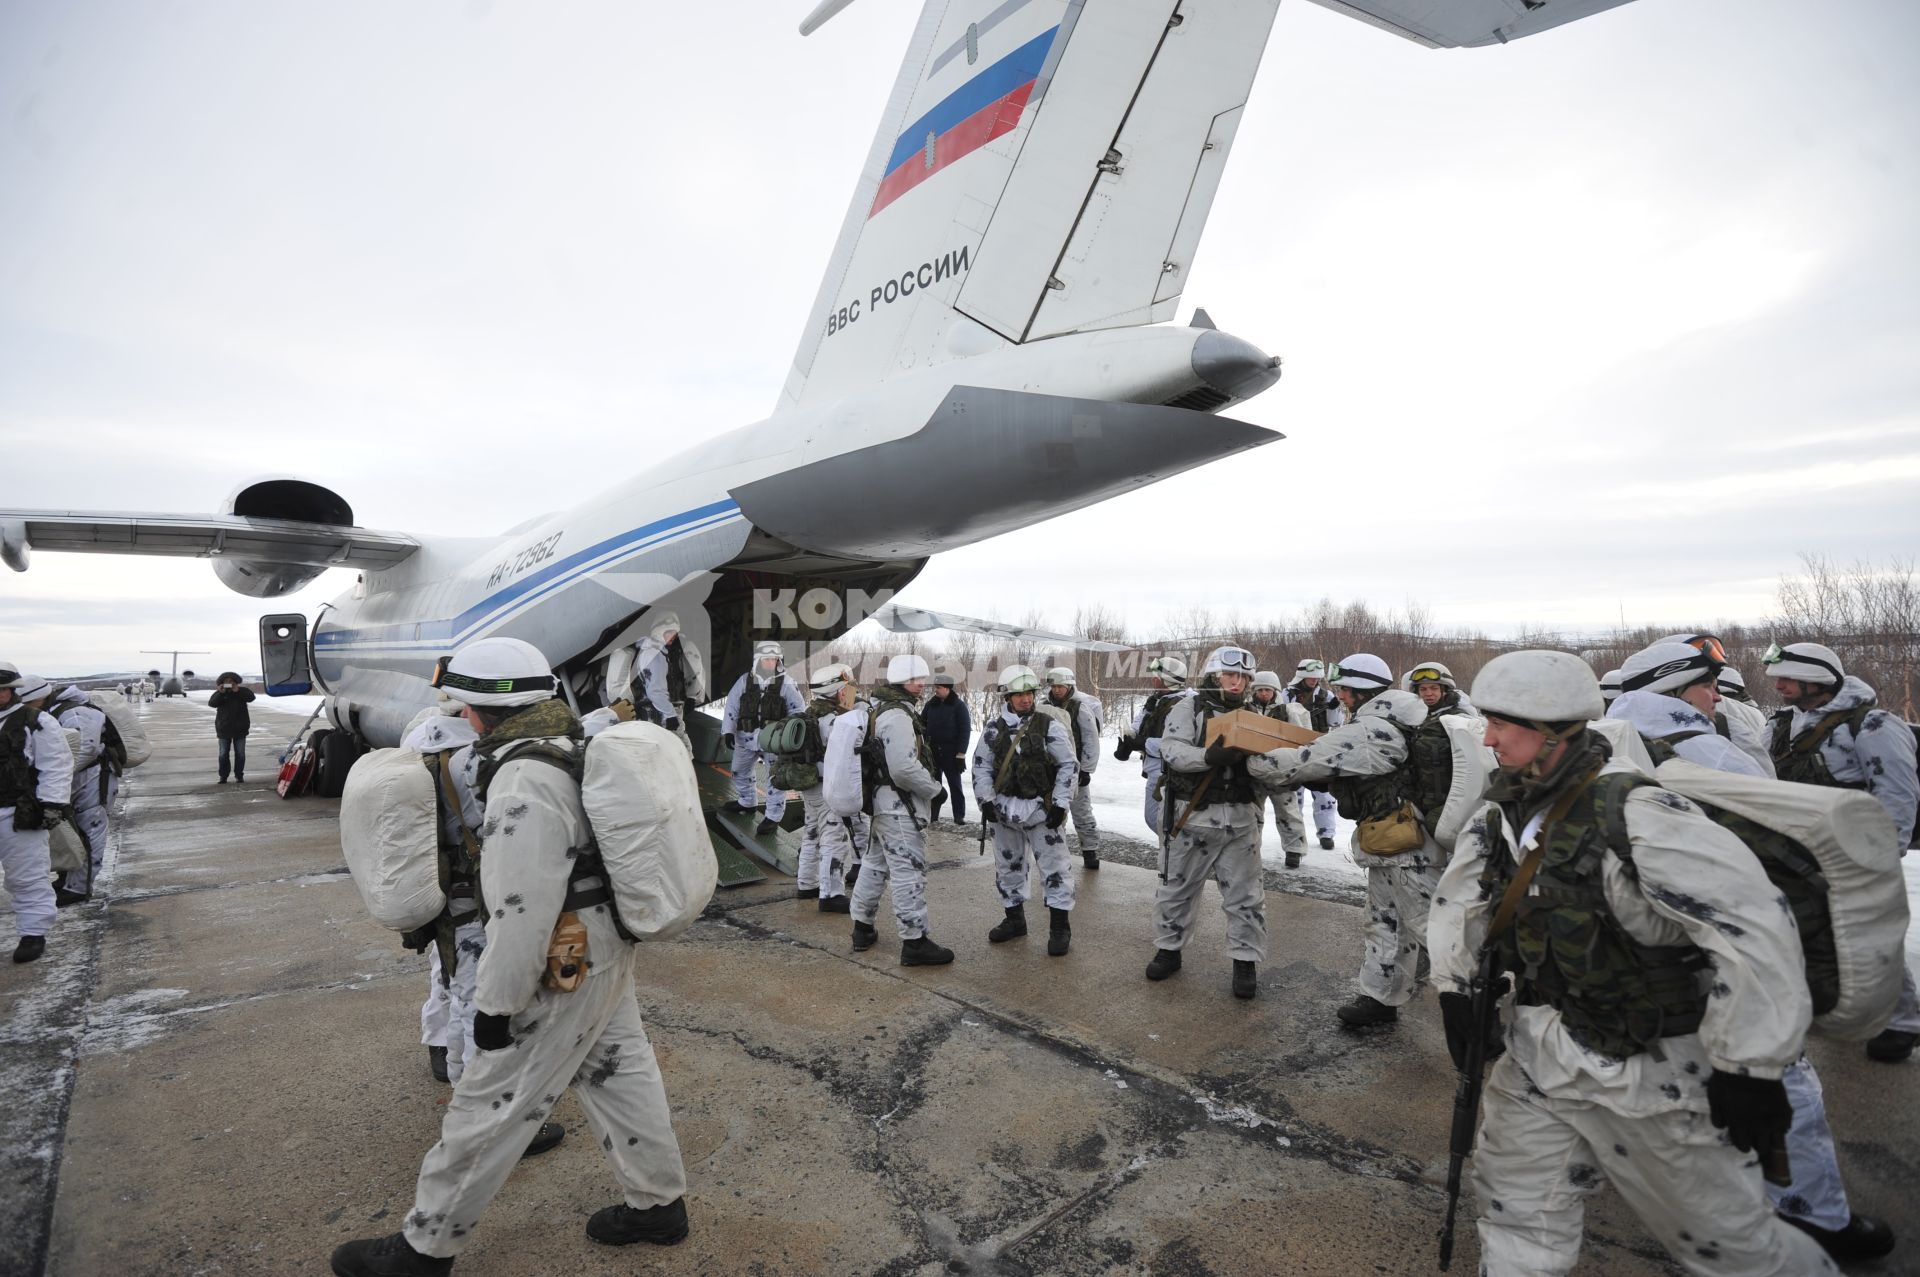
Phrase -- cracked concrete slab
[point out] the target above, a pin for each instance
(221, 1073)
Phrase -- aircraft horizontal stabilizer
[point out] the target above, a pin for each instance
(914, 620)
(986, 462)
(210, 536)
(1468, 24)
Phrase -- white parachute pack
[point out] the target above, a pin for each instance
(1855, 843)
(1473, 766)
(1299, 715)
(133, 734)
(66, 846)
(390, 832)
(1624, 738)
(840, 783)
(644, 805)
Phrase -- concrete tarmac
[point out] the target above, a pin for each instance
(216, 1069)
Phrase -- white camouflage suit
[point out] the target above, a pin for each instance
(446, 1017)
(24, 857)
(1220, 840)
(897, 830)
(1023, 836)
(590, 1039)
(90, 769)
(1399, 888)
(1325, 809)
(1151, 767)
(1880, 760)
(1559, 1120)
(1085, 710)
(826, 841)
(1818, 1194)
(746, 744)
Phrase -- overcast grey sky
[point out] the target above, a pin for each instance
(1628, 311)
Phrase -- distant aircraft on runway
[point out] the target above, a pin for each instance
(992, 314)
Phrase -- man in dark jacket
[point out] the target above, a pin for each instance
(231, 722)
(949, 728)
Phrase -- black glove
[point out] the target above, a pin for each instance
(1456, 1013)
(419, 938)
(55, 814)
(1221, 754)
(671, 722)
(1056, 817)
(490, 1032)
(1754, 1111)
(727, 740)
(1086, 778)
(991, 811)
(1124, 750)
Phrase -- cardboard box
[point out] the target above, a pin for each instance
(1256, 733)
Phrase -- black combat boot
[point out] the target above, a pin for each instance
(622, 1225)
(1164, 964)
(1891, 1046)
(921, 951)
(765, 827)
(864, 937)
(29, 948)
(807, 893)
(1294, 858)
(548, 1136)
(1245, 985)
(1864, 1237)
(1059, 933)
(835, 904)
(1326, 844)
(735, 806)
(1090, 857)
(388, 1256)
(1011, 926)
(437, 1062)
(1365, 1012)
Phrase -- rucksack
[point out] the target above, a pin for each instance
(1473, 766)
(390, 833)
(1832, 853)
(638, 787)
(125, 735)
(792, 737)
(842, 777)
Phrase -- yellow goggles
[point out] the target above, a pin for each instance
(1426, 676)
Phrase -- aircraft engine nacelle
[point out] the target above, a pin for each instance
(292, 499)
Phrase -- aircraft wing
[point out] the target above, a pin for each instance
(211, 536)
(914, 620)
(1468, 24)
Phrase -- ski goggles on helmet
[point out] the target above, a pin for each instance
(1776, 654)
(1712, 646)
(1337, 672)
(1702, 667)
(1426, 675)
(446, 679)
(1235, 660)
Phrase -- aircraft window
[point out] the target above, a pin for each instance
(281, 631)
(930, 141)
(973, 43)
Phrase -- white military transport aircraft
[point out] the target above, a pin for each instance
(1023, 226)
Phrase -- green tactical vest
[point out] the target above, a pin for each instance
(802, 770)
(1568, 950)
(1230, 784)
(1371, 797)
(1318, 703)
(19, 779)
(1799, 759)
(762, 705)
(1031, 775)
(1154, 721)
(1072, 711)
(873, 751)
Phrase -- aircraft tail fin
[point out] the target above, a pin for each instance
(1042, 167)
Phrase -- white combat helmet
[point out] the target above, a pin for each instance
(1363, 672)
(827, 681)
(10, 675)
(497, 672)
(1732, 682)
(664, 624)
(1266, 678)
(1609, 686)
(1229, 660)
(1430, 672)
(1060, 676)
(32, 687)
(762, 651)
(1309, 667)
(1018, 678)
(1170, 670)
(906, 667)
(1666, 667)
(1538, 688)
(1804, 663)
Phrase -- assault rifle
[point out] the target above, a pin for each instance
(1466, 1092)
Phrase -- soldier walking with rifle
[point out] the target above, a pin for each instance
(1658, 995)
